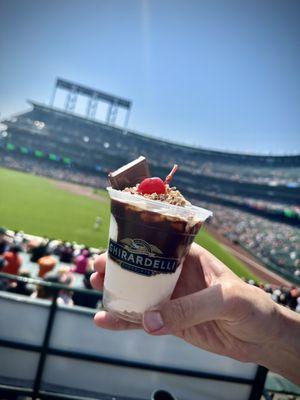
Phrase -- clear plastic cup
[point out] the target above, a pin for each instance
(148, 242)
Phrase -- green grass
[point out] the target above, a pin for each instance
(36, 206)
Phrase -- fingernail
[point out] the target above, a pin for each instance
(153, 321)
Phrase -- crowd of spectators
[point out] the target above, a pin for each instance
(242, 173)
(52, 170)
(275, 244)
(259, 204)
(286, 296)
(79, 137)
(77, 262)
(68, 264)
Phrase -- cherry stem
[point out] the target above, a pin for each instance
(171, 174)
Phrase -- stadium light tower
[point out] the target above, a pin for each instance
(94, 97)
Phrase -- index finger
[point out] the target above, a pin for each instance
(99, 263)
(97, 278)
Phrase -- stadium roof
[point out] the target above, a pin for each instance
(90, 92)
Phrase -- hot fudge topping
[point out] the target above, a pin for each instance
(158, 234)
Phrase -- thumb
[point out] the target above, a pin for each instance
(184, 312)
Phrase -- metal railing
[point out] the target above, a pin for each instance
(257, 383)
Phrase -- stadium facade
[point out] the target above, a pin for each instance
(47, 139)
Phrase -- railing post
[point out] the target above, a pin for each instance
(258, 383)
(45, 345)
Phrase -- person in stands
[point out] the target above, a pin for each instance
(66, 277)
(46, 292)
(4, 242)
(21, 287)
(293, 295)
(60, 277)
(12, 260)
(215, 310)
(85, 299)
(66, 253)
(81, 262)
(18, 238)
(38, 250)
(46, 264)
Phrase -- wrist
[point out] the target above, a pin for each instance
(289, 329)
(281, 352)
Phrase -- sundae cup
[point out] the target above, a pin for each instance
(151, 229)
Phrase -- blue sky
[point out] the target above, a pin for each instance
(212, 73)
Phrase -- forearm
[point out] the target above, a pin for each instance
(282, 355)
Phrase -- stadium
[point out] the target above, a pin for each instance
(239, 188)
(54, 162)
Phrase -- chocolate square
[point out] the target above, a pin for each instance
(130, 174)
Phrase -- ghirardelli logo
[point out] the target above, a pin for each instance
(141, 257)
(140, 246)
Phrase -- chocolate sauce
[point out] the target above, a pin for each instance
(169, 237)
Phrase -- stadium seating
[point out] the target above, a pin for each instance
(65, 141)
(275, 244)
(89, 143)
(51, 142)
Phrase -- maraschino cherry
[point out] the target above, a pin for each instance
(152, 185)
(156, 185)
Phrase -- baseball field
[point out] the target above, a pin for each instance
(45, 207)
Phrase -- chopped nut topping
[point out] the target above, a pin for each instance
(172, 196)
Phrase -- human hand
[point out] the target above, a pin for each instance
(210, 308)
